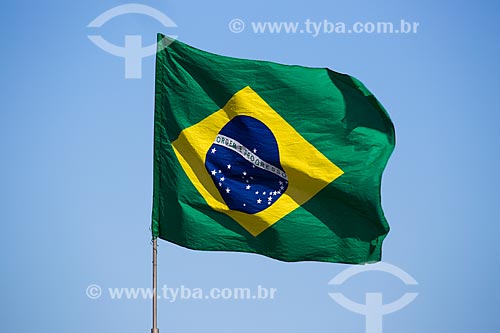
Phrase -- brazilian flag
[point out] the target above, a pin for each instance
(254, 156)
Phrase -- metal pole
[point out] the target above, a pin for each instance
(155, 308)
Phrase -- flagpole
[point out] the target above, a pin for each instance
(155, 303)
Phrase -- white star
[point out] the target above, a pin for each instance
(253, 166)
(247, 181)
(229, 166)
(269, 202)
(281, 183)
(270, 198)
(254, 151)
(214, 150)
(259, 201)
(256, 192)
(244, 205)
(214, 172)
(228, 190)
(279, 192)
(251, 177)
(220, 171)
(248, 187)
(244, 173)
(264, 193)
(220, 184)
(222, 179)
(274, 193)
(282, 188)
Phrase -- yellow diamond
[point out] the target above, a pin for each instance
(308, 170)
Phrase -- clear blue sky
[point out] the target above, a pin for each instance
(76, 169)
